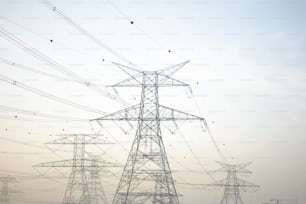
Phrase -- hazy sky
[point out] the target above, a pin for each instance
(247, 72)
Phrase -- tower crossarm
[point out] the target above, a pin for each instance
(136, 81)
(169, 71)
(247, 186)
(147, 194)
(77, 163)
(160, 78)
(238, 168)
(128, 114)
(171, 114)
(73, 139)
(219, 183)
(166, 114)
(242, 184)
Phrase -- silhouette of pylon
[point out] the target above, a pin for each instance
(78, 186)
(147, 177)
(5, 190)
(232, 184)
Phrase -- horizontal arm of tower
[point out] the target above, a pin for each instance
(137, 81)
(244, 185)
(136, 77)
(239, 168)
(70, 139)
(172, 69)
(247, 186)
(146, 194)
(132, 81)
(126, 69)
(77, 163)
(167, 81)
(219, 183)
(170, 114)
(128, 114)
(165, 114)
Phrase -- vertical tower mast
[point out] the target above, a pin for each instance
(77, 178)
(95, 186)
(5, 190)
(147, 176)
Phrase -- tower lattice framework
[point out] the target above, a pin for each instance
(5, 190)
(95, 185)
(80, 182)
(232, 184)
(147, 177)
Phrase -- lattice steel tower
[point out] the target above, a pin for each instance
(79, 186)
(5, 190)
(147, 176)
(232, 184)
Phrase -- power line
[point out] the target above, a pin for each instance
(48, 39)
(220, 153)
(30, 69)
(69, 20)
(21, 153)
(136, 26)
(196, 158)
(38, 114)
(5, 117)
(21, 142)
(38, 55)
(55, 65)
(47, 95)
(35, 201)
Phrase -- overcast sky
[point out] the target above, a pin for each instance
(247, 72)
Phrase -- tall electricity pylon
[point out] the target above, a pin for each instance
(5, 191)
(232, 184)
(147, 177)
(78, 186)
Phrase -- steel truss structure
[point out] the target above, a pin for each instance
(5, 190)
(84, 185)
(232, 184)
(147, 177)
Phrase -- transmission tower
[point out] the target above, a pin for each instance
(147, 177)
(78, 186)
(5, 191)
(232, 184)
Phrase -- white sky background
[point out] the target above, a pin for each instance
(247, 72)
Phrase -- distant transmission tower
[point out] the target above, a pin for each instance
(5, 191)
(147, 177)
(79, 186)
(232, 184)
